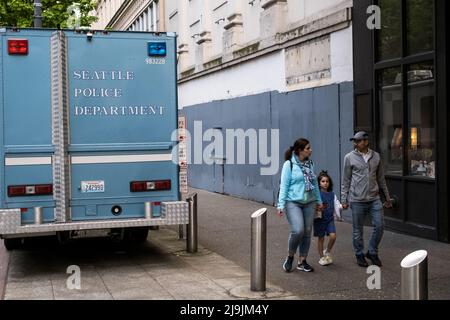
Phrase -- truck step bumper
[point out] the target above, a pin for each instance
(172, 213)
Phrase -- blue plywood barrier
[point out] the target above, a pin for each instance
(323, 115)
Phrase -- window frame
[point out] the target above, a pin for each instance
(404, 61)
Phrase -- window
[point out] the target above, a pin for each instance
(389, 37)
(421, 137)
(418, 23)
(419, 26)
(405, 88)
(148, 20)
(391, 120)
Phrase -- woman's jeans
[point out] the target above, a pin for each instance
(359, 211)
(300, 217)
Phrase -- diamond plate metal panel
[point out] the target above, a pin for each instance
(176, 212)
(60, 126)
(9, 221)
(172, 213)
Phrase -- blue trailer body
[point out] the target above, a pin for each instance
(88, 115)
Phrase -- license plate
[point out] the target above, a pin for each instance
(92, 186)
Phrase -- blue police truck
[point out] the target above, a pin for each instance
(85, 141)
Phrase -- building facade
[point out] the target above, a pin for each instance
(256, 65)
(132, 15)
(313, 69)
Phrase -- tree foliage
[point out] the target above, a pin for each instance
(55, 13)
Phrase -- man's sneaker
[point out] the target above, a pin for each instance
(304, 266)
(324, 261)
(374, 258)
(287, 265)
(361, 261)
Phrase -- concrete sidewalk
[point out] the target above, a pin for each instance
(160, 269)
(4, 259)
(225, 228)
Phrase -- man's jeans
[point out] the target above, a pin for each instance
(300, 217)
(359, 212)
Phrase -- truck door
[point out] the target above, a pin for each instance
(26, 130)
(122, 112)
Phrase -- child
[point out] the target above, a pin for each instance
(325, 224)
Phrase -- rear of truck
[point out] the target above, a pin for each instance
(85, 144)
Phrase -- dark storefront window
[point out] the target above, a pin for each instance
(391, 120)
(421, 144)
(401, 94)
(390, 37)
(419, 24)
(407, 149)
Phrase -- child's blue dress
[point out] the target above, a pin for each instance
(325, 225)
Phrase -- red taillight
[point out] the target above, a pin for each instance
(44, 189)
(162, 185)
(137, 186)
(30, 190)
(156, 203)
(16, 191)
(18, 46)
(142, 186)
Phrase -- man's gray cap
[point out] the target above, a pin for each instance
(360, 135)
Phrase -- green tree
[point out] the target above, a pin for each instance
(55, 14)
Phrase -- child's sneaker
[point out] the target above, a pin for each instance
(324, 261)
(327, 255)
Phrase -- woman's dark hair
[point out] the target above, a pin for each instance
(324, 174)
(299, 145)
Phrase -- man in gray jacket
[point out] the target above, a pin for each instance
(364, 187)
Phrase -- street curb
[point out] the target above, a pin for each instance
(4, 265)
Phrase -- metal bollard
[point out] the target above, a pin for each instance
(180, 231)
(37, 215)
(258, 250)
(414, 280)
(192, 226)
(148, 210)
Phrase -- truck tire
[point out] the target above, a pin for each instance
(137, 235)
(63, 237)
(11, 244)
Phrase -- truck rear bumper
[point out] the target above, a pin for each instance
(172, 213)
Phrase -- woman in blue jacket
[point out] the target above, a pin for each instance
(299, 198)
